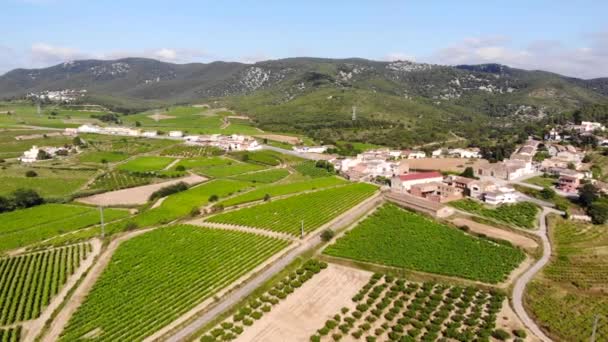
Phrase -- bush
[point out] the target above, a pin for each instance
(195, 211)
(168, 190)
(327, 235)
(31, 173)
(520, 333)
(315, 338)
(213, 198)
(180, 168)
(266, 198)
(500, 334)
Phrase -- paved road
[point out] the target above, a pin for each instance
(522, 282)
(233, 298)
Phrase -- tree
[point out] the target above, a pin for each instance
(78, 141)
(266, 198)
(137, 124)
(180, 168)
(327, 235)
(213, 198)
(547, 193)
(599, 211)
(468, 172)
(43, 155)
(6, 204)
(587, 195)
(30, 173)
(25, 198)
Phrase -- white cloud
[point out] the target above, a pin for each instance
(46, 54)
(587, 61)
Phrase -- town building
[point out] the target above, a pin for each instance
(464, 153)
(502, 195)
(176, 134)
(403, 183)
(437, 192)
(310, 149)
(568, 183)
(408, 154)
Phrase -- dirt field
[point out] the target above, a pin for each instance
(158, 117)
(441, 164)
(280, 138)
(516, 239)
(298, 316)
(135, 196)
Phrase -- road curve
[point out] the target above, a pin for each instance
(522, 282)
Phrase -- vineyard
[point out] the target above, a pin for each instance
(101, 156)
(309, 168)
(284, 189)
(258, 157)
(395, 237)
(23, 227)
(191, 151)
(126, 145)
(286, 215)
(28, 282)
(570, 293)
(257, 307)
(146, 164)
(269, 176)
(10, 334)
(219, 167)
(154, 278)
(389, 309)
(521, 214)
(116, 180)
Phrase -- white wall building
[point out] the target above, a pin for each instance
(176, 134)
(502, 195)
(403, 183)
(310, 149)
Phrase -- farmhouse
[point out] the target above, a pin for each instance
(403, 183)
(407, 154)
(38, 153)
(176, 134)
(149, 134)
(587, 127)
(310, 149)
(507, 170)
(568, 183)
(437, 192)
(233, 142)
(437, 153)
(464, 153)
(502, 195)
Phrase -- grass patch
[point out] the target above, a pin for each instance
(269, 176)
(521, 214)
(146, 164)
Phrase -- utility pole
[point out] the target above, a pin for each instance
(302, 229)
(103, 228)
(354, 113)
(597, 318)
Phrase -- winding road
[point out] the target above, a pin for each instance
(522, 282)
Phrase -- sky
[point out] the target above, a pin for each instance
(562, 36)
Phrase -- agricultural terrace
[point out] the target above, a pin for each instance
(191, 151)
(116, 180)
(154, 278)
(258, 157)
(146, 164)
(218, 167)
(268, 176)
(284, 189)
(102, 157)
(390, 309)
(395, 237)
(29, 281)
(182, 204)
(286, 215)
(20, 228)
(128, 145)
(309, 168)
(522, 214)
(566, 297)
(48, 182)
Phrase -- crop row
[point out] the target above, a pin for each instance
(268, 176)
(313, 209)
(521, 214)
(115, 180)
(395, 237)
(10, 334)
(397, 310)
(256, 308)
(28, 282)
(191, 151)
(156, 277)
(309, 168)
(23, 227)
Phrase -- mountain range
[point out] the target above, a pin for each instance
(317, 93)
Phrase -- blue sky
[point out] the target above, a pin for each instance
(563, 36)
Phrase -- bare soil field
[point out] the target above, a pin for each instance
(441, 164)
(137, 195)
(514, 238)
(280, 138)
(158, 117)
(298, 316)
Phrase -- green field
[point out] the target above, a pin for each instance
(49, 182)
(218, 167)
(284, 189)
(395, 237)
(285, 215)
(10, 147)
(154, 278)
(308, 168)
(269, 176)
(566, 297)
(128, 145)
(258, 157)
(115, 180)
(146, 164)
(521, 214)
(191, 151)
(29, 281)
(20, 228)
(101, 156)
(545, 182)
(10, 334)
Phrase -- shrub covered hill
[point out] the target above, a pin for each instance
(398, 103)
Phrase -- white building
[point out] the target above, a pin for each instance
(464, 153)
(437, 153)
(176, 134)
(149, 134)
(30, 155)
(89, 129)
(588, 126)
(413, 154)
(310, 149)
(502, 195)
(403, 183)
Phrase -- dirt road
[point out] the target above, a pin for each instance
(503, 234)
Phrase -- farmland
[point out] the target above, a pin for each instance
(191, 151)
(566, 297)
(258, 157)
(146, 164)
(395, 237)
(115, 180)
(521, 214)
(31, 280)
(10, 334)
(218, 167)
(22, 227)
(48, 182)
(102, 157)
(284, 189)
(154, 278)
(286, 215)
(308, 168)
(269, 176)
(388, 308)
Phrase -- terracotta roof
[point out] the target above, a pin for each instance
(420, 175)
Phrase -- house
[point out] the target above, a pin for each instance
(553, 135)
(310, 149)
(149, 134)
(30, 155)
(403, 183)
(502, 195)
(437, 153)
(478, 188)
(407, 154)
(176, 134)
(588, 126)
(437, 192)
(396, 154)
(89, 129)
(507, 170)
(568, 183)
(459, 182)
(465, 153)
